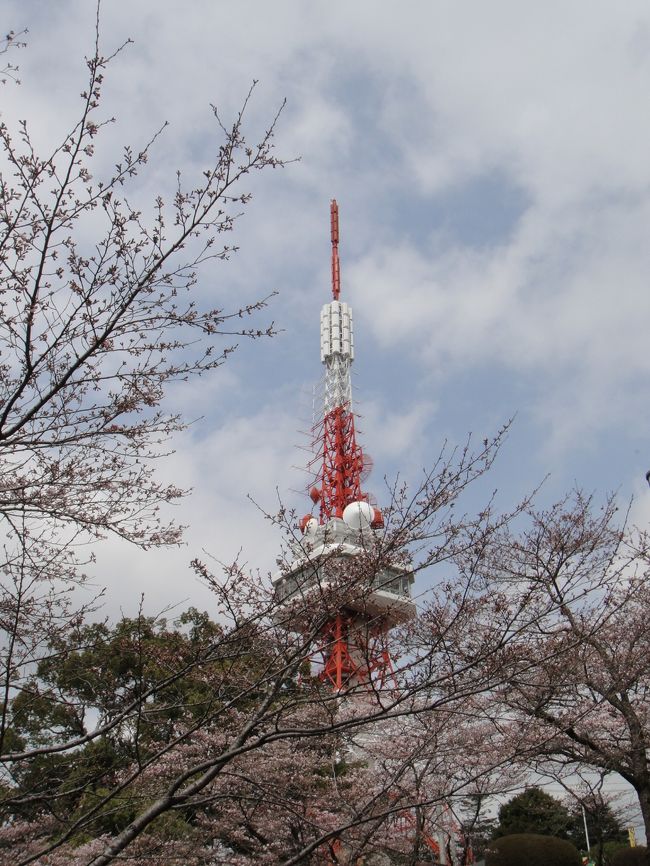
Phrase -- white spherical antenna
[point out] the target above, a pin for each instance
(311, 526)
(358, 515)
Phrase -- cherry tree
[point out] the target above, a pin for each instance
(111, 741)
(576, 679)
(10, 42)
(99, 313)
(219, 742)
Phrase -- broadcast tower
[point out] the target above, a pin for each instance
(352, 652)
(353, 647)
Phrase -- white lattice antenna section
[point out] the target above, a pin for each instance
(337, 353)
(338, 383)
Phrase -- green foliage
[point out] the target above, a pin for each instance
(602, 824)
(530, 849)
(631, 857)
(610, 849)
(534, 811)
(169, 674)
(109, 820)
(100, 671)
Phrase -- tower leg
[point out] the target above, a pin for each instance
(354, 653)
(339, 668)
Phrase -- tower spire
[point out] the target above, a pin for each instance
(334, 231)
(342, 458)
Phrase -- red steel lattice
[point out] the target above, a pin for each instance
(342, 464)
(351, 657)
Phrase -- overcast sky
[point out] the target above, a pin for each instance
(491, 165)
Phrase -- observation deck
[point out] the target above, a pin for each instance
(325, 560)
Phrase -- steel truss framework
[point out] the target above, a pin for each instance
(354, 652)
(342, 464)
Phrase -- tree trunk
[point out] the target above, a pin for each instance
(644, 802)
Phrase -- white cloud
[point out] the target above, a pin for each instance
(564, 302)
(399, 113)
(393, 436)
(245, 455)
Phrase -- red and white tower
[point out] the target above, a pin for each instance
(353, 646)
(352, 649)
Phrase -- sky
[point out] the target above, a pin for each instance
(490, 164)
(490, 161)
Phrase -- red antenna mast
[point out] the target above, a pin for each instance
(334, 229)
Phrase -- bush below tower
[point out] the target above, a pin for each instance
(531, 850)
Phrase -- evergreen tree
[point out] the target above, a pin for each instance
(602, 826)
(535, 811)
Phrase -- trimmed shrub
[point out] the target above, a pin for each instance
(631, 857)
(609, 850)
(529, 849)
